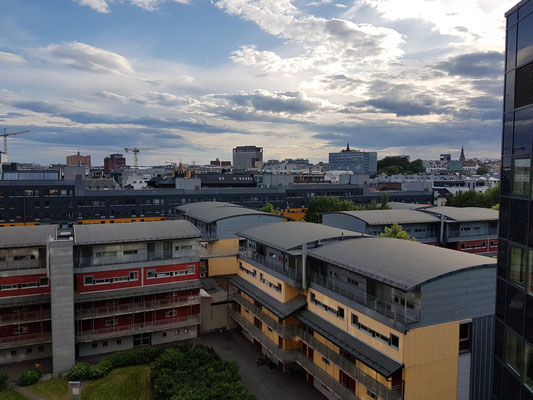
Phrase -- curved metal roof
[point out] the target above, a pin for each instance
(389, 217)
(463, 214)
(212, 211)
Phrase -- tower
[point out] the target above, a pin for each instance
(462, 156)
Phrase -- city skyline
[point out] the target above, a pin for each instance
(299, 79)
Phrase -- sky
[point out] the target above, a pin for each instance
(301, 78)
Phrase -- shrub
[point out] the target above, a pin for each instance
(143, 355)
(3, 381)
(97, 371)
(79, 371)
(29, 377)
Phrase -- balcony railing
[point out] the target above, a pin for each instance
(282, 355)
(83, 262)
(318, 373)
(218, 251)
(273, 264)
(394, 311)
(150, 326)
(26, 339)
(351, 369)
(17, 265)
(118, 309)
(23, 317)
(285, 331)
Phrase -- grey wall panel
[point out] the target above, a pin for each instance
(344, 221)
(226, 228)
(482, 353)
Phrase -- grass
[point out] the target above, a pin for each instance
(132, 383)
(53, 389)
(12, 394)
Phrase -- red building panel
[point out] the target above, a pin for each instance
(15, 285)
(108, 280)
(25, 329)
(170, 273)
(472, 246)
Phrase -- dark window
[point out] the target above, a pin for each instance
(500, 299)
(523, 131)
(519, 221)
(94, 345)
(40, 349)
(394, 341)
(499, 342)
(506, 176)
(521, 176)
(88, 280)
(508, 134)
(105, 344)
(119, 341)
(518, 265)
(523, 86)
(528, 325)
(513, 351)
(497, 380)
(340, 312)
(525, 10)
(509, 91)
(465, 337)
(525, 40)
(355, 320)
(514, 311)
(511, 48)
(503, 258)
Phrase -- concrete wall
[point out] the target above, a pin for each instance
(36, 352)
(215, 317)
(105, 346)
(175, 335)
(62, 304)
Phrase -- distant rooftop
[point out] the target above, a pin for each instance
(211, 211)
(26, 236)
(389, 217)
(403, 264)
(396, 205)
(464, 214)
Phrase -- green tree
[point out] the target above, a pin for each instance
(385, 202)
(395, 231)
(400, 165)
(269, 208)
(472, 198)
(482, 170)
(322, 204)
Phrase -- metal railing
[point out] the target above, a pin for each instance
(394, 311)
(83, 262)
(351, 369)
(118, 309)
(23, 340)
(24, 316)
(285, 356)
(273, 265)
(218, 251)
(481, 233)
(285, 331)
(150, 326)
(326, 379)
(16, 265)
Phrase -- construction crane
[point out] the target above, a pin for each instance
(6, 134)
(136, 150)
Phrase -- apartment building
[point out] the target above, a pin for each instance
(469, 229)
(96, 289)
(367, 317)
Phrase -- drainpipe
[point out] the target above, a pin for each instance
(304, 266)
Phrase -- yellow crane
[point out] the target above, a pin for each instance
(136, 150)
(6, 134)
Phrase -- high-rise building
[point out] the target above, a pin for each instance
(445, 158)
(114, 160)
(513, 350)
(246, 156)
(359, 162)
(78, 160)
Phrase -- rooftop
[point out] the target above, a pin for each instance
(212, 211)
(463, 214)
(389, 217)
(134, 232)
(26, 236)
(403, 264)
(286, 236)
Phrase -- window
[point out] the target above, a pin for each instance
(190, 269)
(129, 252)
(371, 394)
(164, 334)
(518, 265)
(13, 353)
(88, 280)
(119, 341)
(134, 275)
(105, 344)
(20, 330)
(355, 320)
(111, 322)
(465, 337)
(186, 330)
(171, 313)
(185, 247)
(40, 349)
(522, 169)
(325, 361)
(528, 366)
(525, 40)
(394, 341)
(513, 351)
(340, 312)
(94, 345)
(150, 273)
(43, 281)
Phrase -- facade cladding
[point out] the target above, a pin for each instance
(246, 156)
(96, 289)
(513, 359)
(359, 162)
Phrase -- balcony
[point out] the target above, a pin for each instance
(273, 264)
(218, 251)
(284, 331)
(24, 340)
(395, 312)
(118, 309)
(280, 354)
(22, 265)
(24, 317)
(132, 329)
(84, 262)
(350, 369)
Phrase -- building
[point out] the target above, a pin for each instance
(359, 162)
(219, 163)
(513, 361)
(113, 161)
(245, 157)
(366, 317)
(96, 289)
(78, 160)
(462, 157)
(444, 158)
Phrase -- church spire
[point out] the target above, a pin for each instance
(462, 157)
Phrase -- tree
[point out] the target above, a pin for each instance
(400, 165)
(395, 231)
(471, 198)
(482, 170)
(269, 208)
(385, 202)
(322, 204)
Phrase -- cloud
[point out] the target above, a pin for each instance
(287, 102)
(84, 57)
(100, 6)
(474, 65)
(11, 58)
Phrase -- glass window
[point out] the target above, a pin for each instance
(508, 134)
(509, 91)
(521, 176)
(512, 18)
(465, 337)
(524, 10)
(500, 299)
(518, 265)
(518, 221)
(514, 308)
(511, 48)
(528, 366)
(528, 328)
(525, 40)
(523, 131)
(513, 351)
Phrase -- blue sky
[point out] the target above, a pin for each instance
(300, 78)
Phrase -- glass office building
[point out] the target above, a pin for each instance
(513, 350)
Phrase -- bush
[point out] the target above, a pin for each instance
(98, 371)
(79, 371)
(29, 377)
(3, 381)
(143, 355)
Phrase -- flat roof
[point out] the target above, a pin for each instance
(403, 264)
(26, 236)
(375, 359)
(211, 211)
(463, 214)
(286, 236)
(405, 206)
(134, 232)
(389, 217)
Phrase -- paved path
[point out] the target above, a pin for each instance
(28, 393)
(265, 383)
